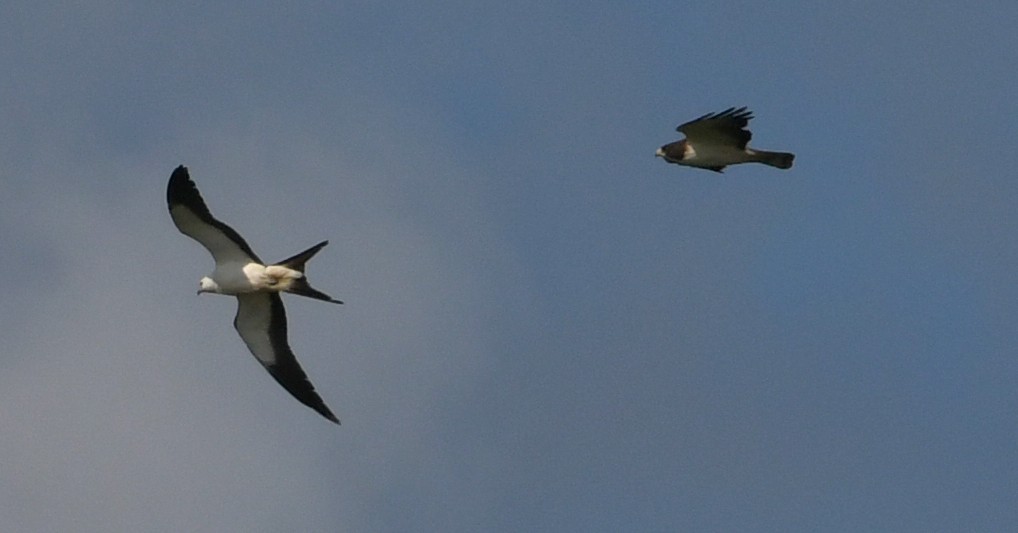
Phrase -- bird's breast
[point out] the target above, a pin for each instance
(237, 278)
(714, 156)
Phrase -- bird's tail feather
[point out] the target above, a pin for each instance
(775, 159)
(298, 261)
(301, 286)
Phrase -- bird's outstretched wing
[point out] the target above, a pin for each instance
(261, 322)
(724, 128)
(193, 219)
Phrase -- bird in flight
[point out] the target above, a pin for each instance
(261, 318)
(717, 140)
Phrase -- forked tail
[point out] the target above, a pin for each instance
(775, 159)
(301, 286)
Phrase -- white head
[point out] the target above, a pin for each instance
(207, 285)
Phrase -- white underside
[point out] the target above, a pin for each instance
(716, 156)
(253, 323)
(239, 278)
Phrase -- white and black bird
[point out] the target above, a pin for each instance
(717, 140)
(261, 319)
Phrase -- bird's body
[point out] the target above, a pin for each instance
(261, 318)
(717, 140)
(233, 278)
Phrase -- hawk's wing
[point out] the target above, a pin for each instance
(724, 128)
(193, 219)
(261, 322)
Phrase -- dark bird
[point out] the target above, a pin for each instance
(261, 319)
(717, 140)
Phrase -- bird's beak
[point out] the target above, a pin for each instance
(660, 152)
(198, 293)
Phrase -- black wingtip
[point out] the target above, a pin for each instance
(295, 381)
(323, 410)
(180, 186)
(180, 174)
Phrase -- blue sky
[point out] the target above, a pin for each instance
(546, 327)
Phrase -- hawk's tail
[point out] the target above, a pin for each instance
(301, 286)
(775, 159)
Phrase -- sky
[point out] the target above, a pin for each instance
(545, 327)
